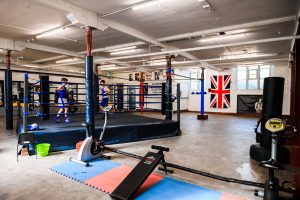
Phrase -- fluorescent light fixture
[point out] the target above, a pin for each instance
(107, 66)
(243, 56)
(206, 6)
(122, 49)
(50, 32)
(73, 71)
(68, 60)
(110, 67)
(222, 37)
(145, 4)
(31, 66)
(123, 52)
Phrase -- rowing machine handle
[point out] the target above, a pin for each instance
(160, 148)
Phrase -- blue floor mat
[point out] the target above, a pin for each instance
(171, 189)
(81, 173)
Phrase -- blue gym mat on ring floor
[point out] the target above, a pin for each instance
(165, 189)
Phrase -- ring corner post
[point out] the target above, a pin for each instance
(169, 106)
(45, 96)
(19, 98)
(202, 115)
(8, 94)
(25, 102)
(178, 96)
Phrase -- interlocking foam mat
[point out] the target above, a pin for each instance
(106, 176)
(81, 173)
(169, 188)
(109, 180)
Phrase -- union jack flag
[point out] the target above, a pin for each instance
(220, 91)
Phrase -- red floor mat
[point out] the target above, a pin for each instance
(109, 180)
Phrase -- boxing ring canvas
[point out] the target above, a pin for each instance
(121, 128)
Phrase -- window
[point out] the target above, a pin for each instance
(264, 72)
(195, 84)
(252, 77)
(242, 78)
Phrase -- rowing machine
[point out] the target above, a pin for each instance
(92, 148)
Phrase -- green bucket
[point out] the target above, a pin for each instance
(42, 149)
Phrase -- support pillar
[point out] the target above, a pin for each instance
(89, 83)
(8, 94)
(294, 143)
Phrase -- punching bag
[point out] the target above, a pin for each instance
(272, 108)
(272, 100)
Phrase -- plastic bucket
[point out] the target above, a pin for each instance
(78, 145)
(42, 149)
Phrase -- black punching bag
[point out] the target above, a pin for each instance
(272, 100)
(272, 108)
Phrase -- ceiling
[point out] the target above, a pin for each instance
(22, 20)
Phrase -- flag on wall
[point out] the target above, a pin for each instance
(220, 91)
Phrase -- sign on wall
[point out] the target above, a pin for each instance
(248, 104)
(220, 91)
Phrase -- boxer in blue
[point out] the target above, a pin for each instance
(104, 93)
(63, 91)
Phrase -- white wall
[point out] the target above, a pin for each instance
(278, 70)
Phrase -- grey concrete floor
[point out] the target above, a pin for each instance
(219, 145)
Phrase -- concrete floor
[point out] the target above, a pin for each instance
(219, 145)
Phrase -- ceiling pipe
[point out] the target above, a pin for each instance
(268, 40)
(89, 18)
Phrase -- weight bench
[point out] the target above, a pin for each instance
(140, 173)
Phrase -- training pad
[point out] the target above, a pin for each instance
(109, 180)
(169, 188)
(82, 173)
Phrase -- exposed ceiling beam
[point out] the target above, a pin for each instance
(270, 61)
(228, 28)
(295, 29)
(19, 46)
(115, 47)
(89, 18)
(268, 40)
(49, 59)
(204, 32)
(186, 64)
(48, 49)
